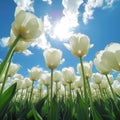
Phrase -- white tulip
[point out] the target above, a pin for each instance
(27, 82)
(68, 74)
(100, 65)
(87, 69)
(27, 25)
(52, 57)
(57, 76)
(97, 78)
(79, 45)
(79, 82)
(35, 73)
(111, 56)
(13, 69)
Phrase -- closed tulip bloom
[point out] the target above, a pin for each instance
(35, 73)
(27, 25)
(57, 76)
(52, 57)
(79, 82)
(13, 69)
(100, 65)
(97, 78)
(79, 45)
(111, 56)
(46, 78)
(27, 82)
(68, 74)
(87, 69)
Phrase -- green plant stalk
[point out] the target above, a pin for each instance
(84, 81)
(65, 93)
(10, 52)
(70, 92)
(114, 96)
(91, 100)
(51, 84)
(6, 73)
(56, 90)
(101, 93)
(81, 92)
(31, 91)
(51, 95)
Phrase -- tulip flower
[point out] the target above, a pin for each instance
(87, 69)
(79, 45)
(52, 57)
(100, 65)
(111, 56)
(68, 75)
(35, 73)
(13, 69)
(27, 25)
(57, 76)
(97, 78)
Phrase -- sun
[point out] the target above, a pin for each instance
(61, 31)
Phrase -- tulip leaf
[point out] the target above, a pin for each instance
(6, 98)
(33, 114)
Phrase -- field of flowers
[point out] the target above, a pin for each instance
(59, 95)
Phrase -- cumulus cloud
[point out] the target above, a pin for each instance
(71, 12)
(41, 42)
(27, 52)
(48, 1)
(92, 4)
(25, 4)
(4, 41)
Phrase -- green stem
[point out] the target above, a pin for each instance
(56, 90)
(91, 100)
(81, 92)
(65, 93)
(101, 93)
(6, 73)
(84, 83)
(51, 108)
(31, 91)
(70, 92)
(113, 94)
(8, 56)
(51, 84)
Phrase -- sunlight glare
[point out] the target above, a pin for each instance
(61, 31)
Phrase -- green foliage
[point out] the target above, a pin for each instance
(5, 100)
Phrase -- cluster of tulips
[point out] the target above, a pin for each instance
(58, 95)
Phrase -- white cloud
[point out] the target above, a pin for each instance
(48, 1)
(71, 12)
(41, 42)
(92, 4)
(25, 4)
(27, 52)
(4, 41)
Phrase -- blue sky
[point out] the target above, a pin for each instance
(99, 19)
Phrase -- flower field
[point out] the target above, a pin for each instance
(59, 95)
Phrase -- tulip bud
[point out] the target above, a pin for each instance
(52, 57)
(13, 69)
(35, 73)
(79, 45)
(27, 25)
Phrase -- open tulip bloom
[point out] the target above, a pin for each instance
(58, 94)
